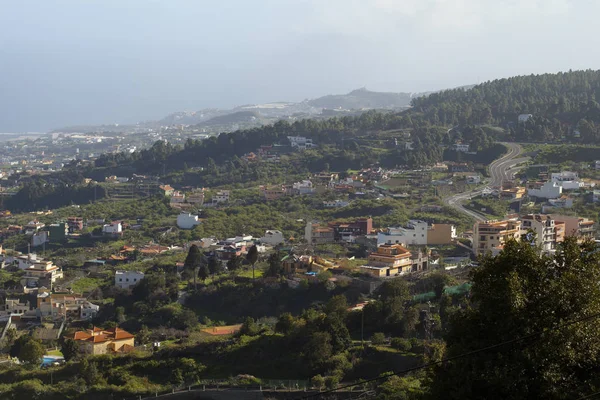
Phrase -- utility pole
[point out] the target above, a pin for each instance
(362, 328)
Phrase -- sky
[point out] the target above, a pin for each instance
(72, 62)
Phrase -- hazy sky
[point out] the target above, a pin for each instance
(67, 62)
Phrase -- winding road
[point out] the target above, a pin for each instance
(500, 170)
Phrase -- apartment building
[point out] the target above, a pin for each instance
(389, 260)
(490, 236)
(547, 232)
(65, 305)
(577, 226)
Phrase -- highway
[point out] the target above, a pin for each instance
(500, 170)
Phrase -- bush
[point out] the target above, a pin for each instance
(378, 338)
(401, 344)
(331, 382)
(318, 381)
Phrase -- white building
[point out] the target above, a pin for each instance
(596, 196)
(414, 233)
(187, 221)
(525, 117)
(127, 279)
(303, 187)
(598, 164)
(114, 228)
(460, 147)
(474, 179)
(549, 190)
(301, 142)
(335, 203)
(38, 239)
(562, 202)
(222, 196)
(272, 237)
(567, 180)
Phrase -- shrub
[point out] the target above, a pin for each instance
(401, 344)
(318, 381)
(378, 338)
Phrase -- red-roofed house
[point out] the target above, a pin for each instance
(98, 341)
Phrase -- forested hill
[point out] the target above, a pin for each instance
(560, 103)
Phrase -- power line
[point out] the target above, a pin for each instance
(589, 396)
(458, 356)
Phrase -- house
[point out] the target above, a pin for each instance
(389, 260)
(460, 147)
(549, 190)
(419, 260)
(65, 305)
(490, 236)
(222, 196)
(562, 202)
(513, 193)
(524, 117)
(272, 237)
(75, 224)
(300, 142)
(347, 232)
(414, 233)
(114, 229)
(274, 192)
(33, 226)
(38, 239)
(303, 187)
(177, 198)
(317, 234)
(458, 167)
(596, 196)
(473, 179)
(41, 273)
(567, 180)
(167, 190)
(196, 197)
(97, 341)
(335, 203)
(597, 164)
(127, 279)
(187, 221)
(439, 234)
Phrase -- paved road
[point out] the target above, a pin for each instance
(500, 170)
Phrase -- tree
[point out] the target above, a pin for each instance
(120, 315)
(32, 352)
(275, 269)
(285, 324)
(143, 336)
(234, 264)
(378, 338)
(318, 381)
(203, 272)
(249, 327)
(193, 261)
(515, 294)
(69, 349)
(318, 349)
(214, 266)
(252, 257)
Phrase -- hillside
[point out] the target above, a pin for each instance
(363, 98)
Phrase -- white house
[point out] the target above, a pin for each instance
(525, 117)
(272, 237)
(303, 187)
(114, 228)
(596, 196)
(598, 164)
(567, 180)
(562, 202)
(414, 233)
(474, 179)
(38, 239)
(335, 203)
(222, 196)
(187, 220)
(127, 279)
(460, 147)
(301, 142)
(549, 190)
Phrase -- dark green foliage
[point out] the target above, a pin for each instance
(69, 349)
(515, 294)
(401, 344)
(378, 338)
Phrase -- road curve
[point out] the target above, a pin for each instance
(499, 172)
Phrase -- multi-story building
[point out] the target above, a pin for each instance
(41, 273)
(65, 305)
(490, 236)
(177, 198)
(75, 224)
(272, 237)
(114, 228)
(389, 260)
(300, 142)
(549, 190)
(128, 279)
(274, 192)
(98, 341)
(317, 234)
(567, 180)
(414, 233)
(543, 229)
(222, 196)
(347, 232)
(303, 187)
(580, 227)
(196, 197)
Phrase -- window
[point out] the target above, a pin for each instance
(127, 280)
(135, 279)
(120, 279)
